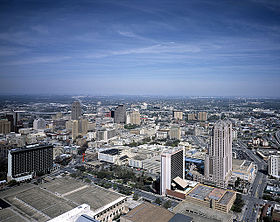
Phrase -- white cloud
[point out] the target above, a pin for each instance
(170, 47)
(36, 60)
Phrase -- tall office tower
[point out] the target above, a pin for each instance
(39, 124)
(172, 166)
(135, 117)
(10, 118)
(120, 114)
(76, 111)
(218, 160)
(175, 132)
(178, 115)
(26, 162)
(191, 116)
(274, 166)
(75, 129)
(79, 128)
(14, 118)
(202, 116)
(5, 126)
(83, 126)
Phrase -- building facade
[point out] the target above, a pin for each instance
(191, 116)
(5, 126)
(25, 162)
(172, 166)
(135, 117)
(175, 133)
(178, 115)
(274, 166)
(39, 124)
(202, 116)
(218, 161)
(76, 110)
(120, 114)
(79, 128)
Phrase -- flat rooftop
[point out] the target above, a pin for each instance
(216, 194)
(241, 165)
(226, 198)
(31, 147)
(8, 215)
(200, 213)
(148, 212)
(201, 192)
(111, 151)
(53, 198)
(81, 193)
(34, 203)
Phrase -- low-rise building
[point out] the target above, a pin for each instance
(244, 169)
(211, 197)
(147, 212)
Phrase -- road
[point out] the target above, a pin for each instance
(254, 197)
(151, 197)
(262, 165)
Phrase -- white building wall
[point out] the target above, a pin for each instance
(165, 176)
(106, 157)
(273, 166)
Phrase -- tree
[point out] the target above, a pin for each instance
(167, 204)
(158, 201)
(87, 180)
(130, 126)
(238, 204)
(74, 175)
(115, 186)
(135, 196)
(267, 197)
(237, 182)
(267, 219)
(12, 183)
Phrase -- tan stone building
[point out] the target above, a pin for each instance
(202, 116)
(178, 115)
(5, 126)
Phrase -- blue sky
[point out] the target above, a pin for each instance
(176, 47)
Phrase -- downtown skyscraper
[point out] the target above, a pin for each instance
(172, 166)
(218, 161)
(120, 114)
(76, 110)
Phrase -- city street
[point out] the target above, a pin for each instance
(254, 198)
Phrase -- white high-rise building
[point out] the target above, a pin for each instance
(218, 161)
(172, 166)
(39, 124)
(274, 166)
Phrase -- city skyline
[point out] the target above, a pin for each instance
(193, 48)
